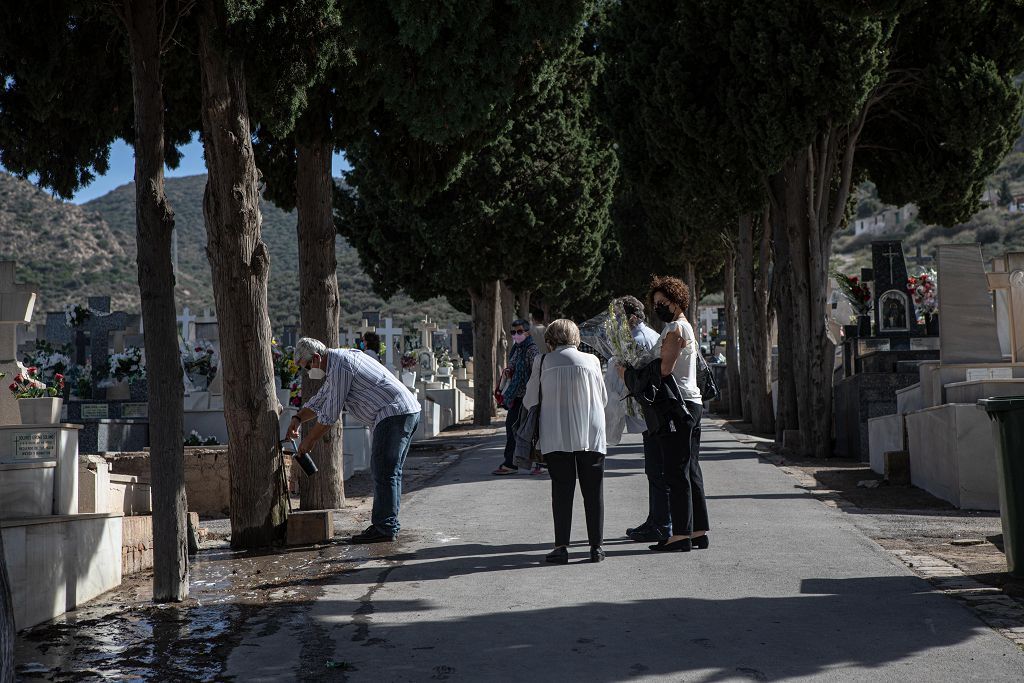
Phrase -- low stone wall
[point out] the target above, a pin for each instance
(136, 544)
(207, 476)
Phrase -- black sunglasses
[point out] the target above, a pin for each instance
(515, 331)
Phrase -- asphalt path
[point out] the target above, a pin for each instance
(790, 589)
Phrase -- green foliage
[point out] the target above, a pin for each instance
(530, 208)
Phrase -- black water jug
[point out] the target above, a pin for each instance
(305, 460)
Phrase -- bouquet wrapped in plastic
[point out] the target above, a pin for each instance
(611, 336)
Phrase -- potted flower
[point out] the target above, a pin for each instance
(444, 363)
(859, 296)
(76, 315)
(200, 363)
(409, 364)
(924, 290)
(123, 368)
(284, 363)
(39, 402)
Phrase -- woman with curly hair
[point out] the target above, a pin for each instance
(676, 436)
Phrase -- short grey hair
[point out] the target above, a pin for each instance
(306, 348)
(562, 332)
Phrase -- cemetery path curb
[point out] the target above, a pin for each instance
(1002, 612)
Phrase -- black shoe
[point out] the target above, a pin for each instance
(597, 554)
(646, 535)
(643, 528)
(558, 556)
(373, 535)
(683, 545)
(700, 542)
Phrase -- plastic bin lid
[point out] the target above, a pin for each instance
(1002, 403)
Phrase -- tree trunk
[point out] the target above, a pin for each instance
(486, 299)
(319, 297)
(733, 385)
(239, 264)
(154, 224)
(690, 269)
(7, 631)
(755, 327)
(506, 314)
(523, 305)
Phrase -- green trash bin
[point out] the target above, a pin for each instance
(1007, 415)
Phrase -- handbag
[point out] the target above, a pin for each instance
(706, 380)
(527, 431)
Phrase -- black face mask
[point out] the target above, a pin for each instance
(664, 313)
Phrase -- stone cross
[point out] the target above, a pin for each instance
(387, 333)
(16, 305)
(920, 259)
(187, 320)
(365, 327)
(371, 317)
(453, 335)
(1011, 281)
(425, 327)
(17, 302)
(289, 336)
(99, 326)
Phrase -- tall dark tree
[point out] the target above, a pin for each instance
(530, 208)
(792, 100)
(80, 75)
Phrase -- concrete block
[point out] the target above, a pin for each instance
(886, 433)
(971, 391)
(310, 526)
(897, 467)
(909, 399)
(136, 544)
(952, 455)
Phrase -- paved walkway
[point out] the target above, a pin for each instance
(789, 589)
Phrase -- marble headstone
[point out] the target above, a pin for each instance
(967, 324)
(895, 316)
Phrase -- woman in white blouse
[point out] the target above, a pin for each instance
(569, 386)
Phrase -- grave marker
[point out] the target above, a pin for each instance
(17, 302)
(967, 324)
(387, 333)
(1009, 288)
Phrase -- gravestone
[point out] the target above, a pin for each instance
(425, 328)
(1007, 282)
(466, 339)
(388, 333)
(98, 327)
(289, 336)
(967, 324)
(17, 302)
(187, 322)
(453, 340)
(371, 318)
(895, 315)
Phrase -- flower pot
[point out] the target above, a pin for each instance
(850, 331)
(864, 326)
(460, 373)
(409, 378)
(444, 371)
(40, 411)
(931, 324)
(199, 380)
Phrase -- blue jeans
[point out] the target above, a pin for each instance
(391, 440)
(658, 515)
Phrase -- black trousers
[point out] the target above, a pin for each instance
(511, 422)
(564, 468)
(680, 452)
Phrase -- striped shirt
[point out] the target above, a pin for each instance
(362, 385)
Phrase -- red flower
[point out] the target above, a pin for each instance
(13, 387)
(19, 379)
(853, 279)
(59, 377)
(32, 370)
(199, 348)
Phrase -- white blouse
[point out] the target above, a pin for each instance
(572, 406)
(685, 370)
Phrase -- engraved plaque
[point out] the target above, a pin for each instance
(35, 446)
(95, 411)
(135, 410)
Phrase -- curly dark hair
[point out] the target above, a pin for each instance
(672, 288)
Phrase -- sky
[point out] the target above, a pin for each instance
(122, 169)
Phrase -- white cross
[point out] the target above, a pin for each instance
(387, 333)
(454, 330)
(365, 327)
(186, 319)
(426, 326)
(16, 300)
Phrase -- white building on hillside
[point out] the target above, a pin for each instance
(889, 220)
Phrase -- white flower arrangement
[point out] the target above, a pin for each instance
(76, 315)
(126, 365)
